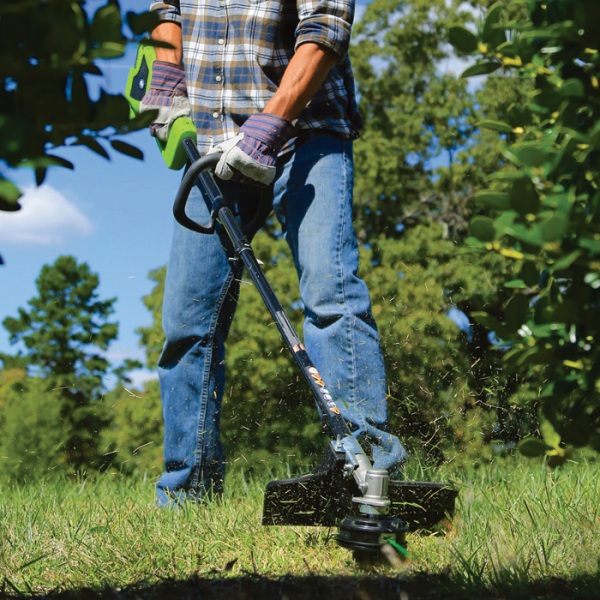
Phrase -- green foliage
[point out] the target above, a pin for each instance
(447, 394)
(63, 332)
(133, 441)
(152, 337)
(414, 115)
(49, 50)
(421, 160)
(548, 222)
(32, 437)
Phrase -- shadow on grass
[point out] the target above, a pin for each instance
(359, 587)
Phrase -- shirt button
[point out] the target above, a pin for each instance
(221, 41)
(216, 114)
(218, 78)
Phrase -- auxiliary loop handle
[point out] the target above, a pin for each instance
(198, 173)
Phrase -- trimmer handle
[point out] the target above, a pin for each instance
(198, 174)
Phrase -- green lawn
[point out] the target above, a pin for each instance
(521, 530)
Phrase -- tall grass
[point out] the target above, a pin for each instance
(516, 523)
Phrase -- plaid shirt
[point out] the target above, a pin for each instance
(235, 53)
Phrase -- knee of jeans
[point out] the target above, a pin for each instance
(320, 290)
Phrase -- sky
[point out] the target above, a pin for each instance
(114, 215)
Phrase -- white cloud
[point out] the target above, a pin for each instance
(46, 217)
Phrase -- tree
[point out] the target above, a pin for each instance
(415, 116)
(420, 160)
(133, 442)
(547, 212)
(63, 332)
(48, 52)
(32, 437)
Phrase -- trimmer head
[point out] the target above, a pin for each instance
(324, 497)
(365, 534)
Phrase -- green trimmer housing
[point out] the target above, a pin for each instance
(172, 151)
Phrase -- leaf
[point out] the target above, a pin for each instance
(108, 50)
(140, 23)
(106, 24)
(492, 34)
(532, 447)
(462, 39)
(549, 434)
(590, 244)
(552, 229)
(127, 149)
(529, 235)
(515, 284)
(529, 154)
(566, 261)
(48, 160)
(593, 280)
(482, 228)
(530, 274)
(93, 144)
(482, 68)
(499, 126)
(517, 311)
(524, 197)
(9, 195)
(493, 200)
(40, 175)
(572, 88)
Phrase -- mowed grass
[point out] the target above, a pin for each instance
(520, 530)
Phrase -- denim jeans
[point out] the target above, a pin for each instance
(312, 199)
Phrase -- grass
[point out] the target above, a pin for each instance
(521, 530)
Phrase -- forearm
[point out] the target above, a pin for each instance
(169, 32)
(304, 76)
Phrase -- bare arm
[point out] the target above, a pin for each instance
(169, 32)
(304, 75)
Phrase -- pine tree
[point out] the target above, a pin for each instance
(62, 334)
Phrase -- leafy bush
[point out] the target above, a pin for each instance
(547, 206)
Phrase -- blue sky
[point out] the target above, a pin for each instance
(115, 215)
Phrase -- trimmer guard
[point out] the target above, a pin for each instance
(324, 497)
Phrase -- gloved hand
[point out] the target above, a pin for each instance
(167, 94)
(253, 152)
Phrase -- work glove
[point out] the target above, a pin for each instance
(167, 94)
(253, 152)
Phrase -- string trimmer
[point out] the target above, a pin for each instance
(344, 491)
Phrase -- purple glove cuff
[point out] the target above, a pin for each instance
(264, 136)
(168, 77)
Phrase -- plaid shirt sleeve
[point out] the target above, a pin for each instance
(168, 10)
(327, 23)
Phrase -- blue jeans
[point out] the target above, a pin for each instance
(312, 199)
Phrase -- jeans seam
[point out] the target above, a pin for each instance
(349, 329)
(201, 424)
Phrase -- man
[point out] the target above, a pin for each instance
(269, 85)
